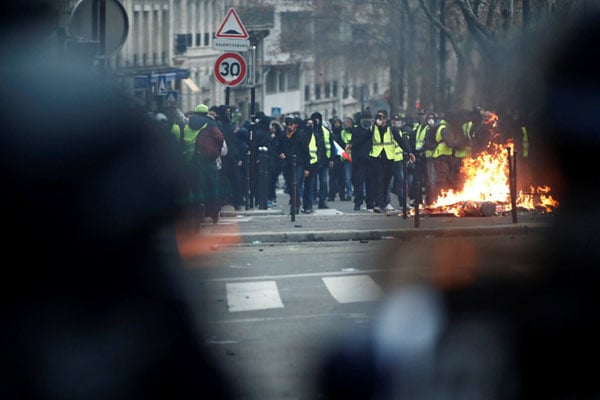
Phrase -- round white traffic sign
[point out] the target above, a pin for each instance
(230, 69)
(86, 22)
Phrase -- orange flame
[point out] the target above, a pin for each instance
(486, 178)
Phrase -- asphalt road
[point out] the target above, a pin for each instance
(270, 312)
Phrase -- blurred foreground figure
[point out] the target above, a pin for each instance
(534, 337)
(91, 306)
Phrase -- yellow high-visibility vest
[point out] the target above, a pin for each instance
(525, 142)
(399, 153)
(420, 133)
(466, 128)
(383, 142)
(189, 141)
(442, 149)
(312, 146)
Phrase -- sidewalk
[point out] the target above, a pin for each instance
(341, 223)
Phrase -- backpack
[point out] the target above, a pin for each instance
(209, 142)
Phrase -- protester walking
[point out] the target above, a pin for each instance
(382, 158)
(336, 177)
(320, 144)
(359, 148)
(294, 154)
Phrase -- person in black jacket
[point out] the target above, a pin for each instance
(275, 163)
(259, 141)
(231, 180)
(293, 151)
(360, 147)
(243, 139)
(336, 177)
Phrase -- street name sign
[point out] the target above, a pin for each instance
(225, 44)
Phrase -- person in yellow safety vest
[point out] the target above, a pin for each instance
(444, 163)
(203, 141)
(320, 152)
(519, 136)
(425, 171)
(467, 130)
(402, 155)
(196, 122)
(525, 141)
(382, 158)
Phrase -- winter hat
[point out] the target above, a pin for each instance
(201, 109)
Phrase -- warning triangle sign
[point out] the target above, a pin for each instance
(232, 27)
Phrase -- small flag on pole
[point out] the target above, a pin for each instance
(341, 152)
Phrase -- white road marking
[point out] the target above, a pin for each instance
(355, 316)
(249, 296)
(354, 271)
(353, 289)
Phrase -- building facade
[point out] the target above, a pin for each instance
(168, 55)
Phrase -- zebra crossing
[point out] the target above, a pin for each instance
(266, 294)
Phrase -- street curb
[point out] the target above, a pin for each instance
(383, 234)
(250, 213)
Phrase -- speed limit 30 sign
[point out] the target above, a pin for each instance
(230, 69)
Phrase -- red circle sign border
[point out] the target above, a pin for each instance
(242, 62)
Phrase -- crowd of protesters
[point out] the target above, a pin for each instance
(365, 158)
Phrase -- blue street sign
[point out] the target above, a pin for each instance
(172, 96)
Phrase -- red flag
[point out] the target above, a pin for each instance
(341, 152)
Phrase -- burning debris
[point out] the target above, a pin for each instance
(487, 188)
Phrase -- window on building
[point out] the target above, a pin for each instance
(335, 89)
(293, 78)
(135, 60)
(154, 58)
(345, 92)
(282, 75)
(198, 40)
(145, 59)
(206, 39)
(189, 40)
(327, 90)
(272, 80)
(317, 92)
(306, 93)
(180, 43)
